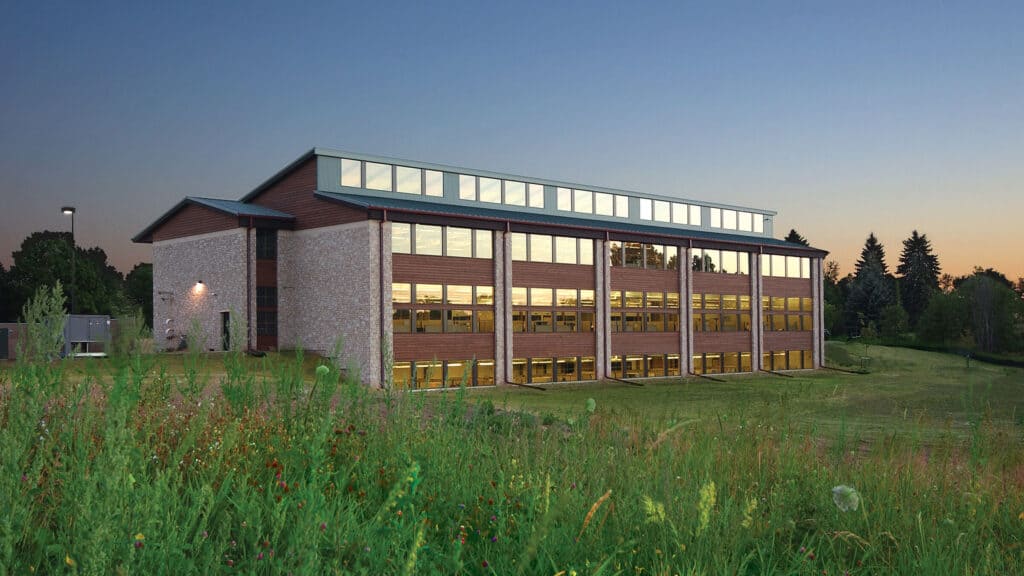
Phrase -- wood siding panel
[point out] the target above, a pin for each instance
(192, 220)
(410, 347)
(545, 275)
(779, 341)
(551, 345)
(640, 279)
(644, 343)
(711, 283)
(293, 194)
(787, 287)
(442, 270)
(721, 342)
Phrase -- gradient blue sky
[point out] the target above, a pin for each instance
(846, 118)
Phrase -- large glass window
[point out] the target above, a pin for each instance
(485, 295)
(433, 183)
(646, 209)
(563, 197)
(759, 223)
(716, 217)
(484, 244)
(351, 173)
(429, 293)
(622, 206)
(459, 294)
(428, 321)
(729, 219)
(540, 321)
(515, 193)
(541, 297)
(460, 321)
(695, 215)
(428, 240)
(485, 320)
(565, 250)
(662, 211)
(565, 297)
(401, 292)
(586, 251)
(378, 176)
(518, 240)
(746, 221)
(678, 213)
(408, 180)
(490, 190)
(401, 236)
(540, 248)
(467, 187)
(584, 201)
(604, 204)
(401, 321)
(459, 242)
(536, 195)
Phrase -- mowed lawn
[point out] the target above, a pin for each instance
(905, 389)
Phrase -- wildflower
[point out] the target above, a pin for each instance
(139, 540)
(70, 561)
(259, 556)
(484, 564)
(205, 534)
(322, 371)
(655, 511)
(748, 513)
(706, 503)
(494, 538)
(845, 497)
(323, 526)
(1021, 516)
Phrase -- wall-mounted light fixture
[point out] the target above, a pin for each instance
(199, 288)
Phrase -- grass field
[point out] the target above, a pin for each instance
(225, 464)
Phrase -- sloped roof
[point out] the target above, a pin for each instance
(230, 207)
(527, 217)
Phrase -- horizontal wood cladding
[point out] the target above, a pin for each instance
(645, 343)
(266, 272)
(546, 275)
(293, 194)
(410, 347)
(641, 279)
(721, 342)
(442, 270)
(786, 287)
(778, 341)
(194, 219)
(552, 345)
(711, 283)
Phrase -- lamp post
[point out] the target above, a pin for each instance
(70, 210)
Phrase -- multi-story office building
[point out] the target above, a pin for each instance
(426, 275)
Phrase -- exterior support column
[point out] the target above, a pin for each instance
(506, 299)
(685, 313)
(756, 313)
(817, 322)
(686, 362)
(601, 324)
(387, 320)
(501, 312)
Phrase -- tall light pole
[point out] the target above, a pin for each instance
(70, 210)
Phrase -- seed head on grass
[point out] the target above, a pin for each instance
(705, 505)
(593, 510)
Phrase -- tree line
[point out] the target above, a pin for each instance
(982, 311)
(44, 258)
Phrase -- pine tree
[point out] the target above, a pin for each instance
(872, 288)
(918, 275)
(796, 238)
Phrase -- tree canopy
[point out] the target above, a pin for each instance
(872, 288)
(918, 272)
(796, 238)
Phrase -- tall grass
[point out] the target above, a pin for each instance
(271, 471)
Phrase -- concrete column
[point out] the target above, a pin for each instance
(756, 313)
(606, 307)
(387, 320)
(506, 240)
(818, 317)
(501, 312)
(685, 313)
(687, 297)
(600, 310)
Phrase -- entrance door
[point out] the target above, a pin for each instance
(225, 330)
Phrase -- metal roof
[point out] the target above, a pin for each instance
(231, 207)
(405, 205)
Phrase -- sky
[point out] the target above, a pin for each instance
(845, 117)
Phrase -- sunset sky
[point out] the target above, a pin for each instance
(846, 118)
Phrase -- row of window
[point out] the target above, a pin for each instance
(721, 261)
(429, 240)
(645, 366)
(721, 363)
(407, 180)
(643, 255)
(561, 297)
(546, 321)
(466, 295)
(787, 304)
(788, 323)
(640, 299)
(547, 248)
(785, 266)
(561, 369)
(721, 322)
(440, 374)
(437, 321)
(707, 301)
(788, 360)
(644, 321)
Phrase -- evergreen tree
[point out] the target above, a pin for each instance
(872, 288)
(796, 238)
(919, 275)
(8, 308)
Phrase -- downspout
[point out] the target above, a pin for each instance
(248, 284)
(380, 295)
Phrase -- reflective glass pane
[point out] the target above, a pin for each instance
(351, 173)
(792, 266)
(541, 297)
(428, 240)
(565, 297)
(634, 299)
(485, 320)
(433, 183)
(672, 257)
(484, 244)
(467, 187)
(744, 262)
(729, 302)
(778, 266)
(566, 322)
(378, 176)
(490, 190)
(563, 198)
(408, 180)
(587, 298)
(633, 321)
(805, 267)
(695, 215)
(716, 217)
(565, 250)
(615, 298)
(712, 301)
(536, 196)
(515, 193)
(584, 201)
(400, 238)
(672, 300)
(678, 213)
(759, 223)
(634, 254)
(428, 293)
(541, 370)
(485, 295)
(746, 221)
(646, 209)
(766, 265)
(428, 321)
(401, 321)
(655, 321)
(654, 256)
(459, 242)
(712, 261)
(586, 251)
(401, 375)
(622, 206)
(518, 240)
(540, 248)
(519, 296)
(729, 219)
(655, 299)
(662, 211)
(401, 292)
(604, 204)
(459, 321)
(540, 321)
(459, 294)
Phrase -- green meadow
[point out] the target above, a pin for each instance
(221, 464)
